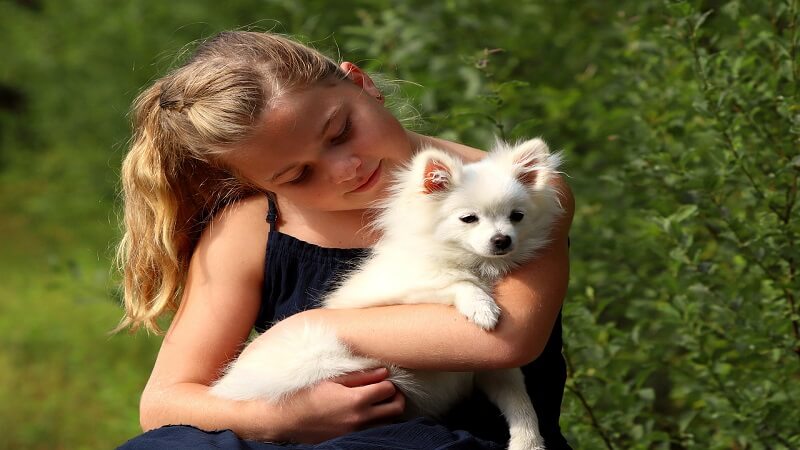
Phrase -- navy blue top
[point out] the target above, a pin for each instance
(296, 275)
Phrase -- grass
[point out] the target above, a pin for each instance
(64, 381)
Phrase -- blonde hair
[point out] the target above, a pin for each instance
(172, 178)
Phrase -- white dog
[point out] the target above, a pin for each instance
(449, 231)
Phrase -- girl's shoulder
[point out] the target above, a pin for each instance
(237, 235)
(465, 152)
(243, 212)
(243, 219)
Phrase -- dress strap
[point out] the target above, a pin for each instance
(272, 213)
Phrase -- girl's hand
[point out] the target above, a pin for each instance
(348, 403)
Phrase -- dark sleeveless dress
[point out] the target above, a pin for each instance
(296, 274)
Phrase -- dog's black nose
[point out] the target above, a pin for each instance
(501, 241)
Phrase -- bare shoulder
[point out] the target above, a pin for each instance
(468, 153)
(247, 212)
(237, 237)
(465, 152)
(567, 200)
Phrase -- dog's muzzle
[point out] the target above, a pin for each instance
(501, 244)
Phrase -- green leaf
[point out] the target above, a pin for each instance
(647, 394)
(684, 213)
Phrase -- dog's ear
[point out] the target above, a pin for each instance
(533, 163)
(436, 170)
(437, 177)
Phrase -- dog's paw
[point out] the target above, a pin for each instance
(526, 447)
(482, 310)
(525, 440)
(524, 444)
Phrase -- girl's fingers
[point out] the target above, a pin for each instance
(384, 412)
(365, 378)
(372, 394)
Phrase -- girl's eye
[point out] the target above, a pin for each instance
(469, 218)
(516, 216)
(344, 133)
(303, 176)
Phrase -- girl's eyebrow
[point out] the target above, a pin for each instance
(336, 109)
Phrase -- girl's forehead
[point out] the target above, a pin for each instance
(286, 130)
(293, 118)
(303, 108)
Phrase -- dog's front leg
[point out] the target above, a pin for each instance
(506, 389)
(475, 303)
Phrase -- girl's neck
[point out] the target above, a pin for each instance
(334, 229)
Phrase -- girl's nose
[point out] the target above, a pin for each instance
(345, 168)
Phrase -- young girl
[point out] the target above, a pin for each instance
(255, 125)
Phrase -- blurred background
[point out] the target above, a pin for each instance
(680, 122)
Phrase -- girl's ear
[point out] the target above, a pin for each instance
(533, 162)
(436, 171)
(361, 79)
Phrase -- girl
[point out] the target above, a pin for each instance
(255, 124)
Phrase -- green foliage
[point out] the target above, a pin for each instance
(680, 122)
(711, 179)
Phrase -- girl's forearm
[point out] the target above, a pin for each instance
(423, 336)
(192, 404)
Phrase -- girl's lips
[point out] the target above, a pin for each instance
(376, 175)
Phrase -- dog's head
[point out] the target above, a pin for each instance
(499, 207)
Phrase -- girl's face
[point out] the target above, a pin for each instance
(329, 147)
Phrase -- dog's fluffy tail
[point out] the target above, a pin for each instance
(287, 363)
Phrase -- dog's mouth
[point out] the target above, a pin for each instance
(498, 253)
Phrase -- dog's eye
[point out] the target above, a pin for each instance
(469, 218)
(516, 216)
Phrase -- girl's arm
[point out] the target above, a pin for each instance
(220, 303)
(437, 337)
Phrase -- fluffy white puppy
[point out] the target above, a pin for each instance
(449, 232)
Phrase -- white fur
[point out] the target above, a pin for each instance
(428, 254)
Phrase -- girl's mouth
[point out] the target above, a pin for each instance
(371, 181)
